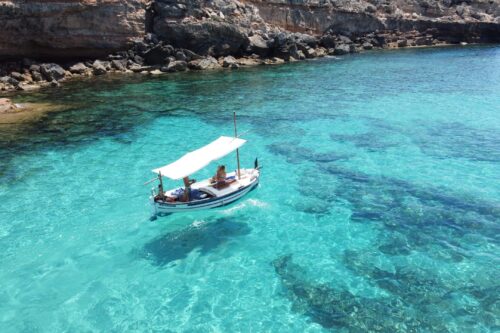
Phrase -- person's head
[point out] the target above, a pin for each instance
(222, 168)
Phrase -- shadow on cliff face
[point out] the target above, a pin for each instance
(416, 300)
(204, 238)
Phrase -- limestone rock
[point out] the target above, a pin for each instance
(258, 45)
(158, 54)
(78, 68)
(6, 106)
(98, 68)
(205, 63)
(177, 66)
(52, 72)
(367, 46)
(69, 28)
(120, 65)
(230, 62)
(249, 62)
(341, 49)
(207, 38)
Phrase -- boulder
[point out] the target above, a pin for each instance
(310, 52)
(156, 72)
(190, 55)
(308, 40)
(300, 55)
(341, 49)
(367, 46)
(230, 62)
(9, 80)
(327, 41)
(98, 68)
(157, 55)
(52, 72)
(120, 65)
(321, 52)
(18, 76)
(27, 77)
(28, 86)
(36, 76)
(258, 45)
(208, 37)
(7, 106)
(205, 63)
(176, 66)
(274, 61)
(249, 62)
(344, 39)
(179, 55)
(78, 68)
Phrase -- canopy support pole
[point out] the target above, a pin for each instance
(161, 184)
(237, 150)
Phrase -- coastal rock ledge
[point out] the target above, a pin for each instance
(47, 42)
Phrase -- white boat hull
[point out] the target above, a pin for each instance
(248, 182)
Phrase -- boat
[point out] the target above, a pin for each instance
(205, 194)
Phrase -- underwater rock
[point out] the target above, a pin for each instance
(335, 308)
(456, 140)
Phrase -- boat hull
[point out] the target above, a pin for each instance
(161, 208)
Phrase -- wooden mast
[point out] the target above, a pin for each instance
(237, 151)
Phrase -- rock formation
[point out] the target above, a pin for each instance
(93, 37)
(67, 29)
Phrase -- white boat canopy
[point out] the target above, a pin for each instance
(200, 158)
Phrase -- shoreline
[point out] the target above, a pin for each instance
(29, 111)
(77, 72)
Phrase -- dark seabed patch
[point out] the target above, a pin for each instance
(179, 244)
(414, 217)
(432, 297)
(296, 154)
(456, 140)
(415, 302)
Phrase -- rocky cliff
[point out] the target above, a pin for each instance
(454, 20)
(92, 28)
(68, 29)
(163, 36)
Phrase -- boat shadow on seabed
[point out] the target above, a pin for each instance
(203, 237)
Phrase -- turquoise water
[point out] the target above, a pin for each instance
(378, 208)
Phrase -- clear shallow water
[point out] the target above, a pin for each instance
(378, 209)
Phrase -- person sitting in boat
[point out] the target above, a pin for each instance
(220, 179)
(187, 188)
(161, 196)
